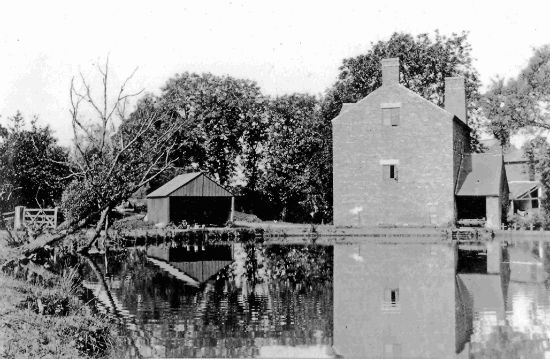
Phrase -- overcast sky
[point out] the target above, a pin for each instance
(286, 46)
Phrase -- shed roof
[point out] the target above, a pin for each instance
(185, 179)
(511, 153)
(480, 175)
(520, 188)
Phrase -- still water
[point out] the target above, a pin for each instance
(369, 300)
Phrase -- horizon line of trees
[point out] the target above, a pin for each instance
(275, 151)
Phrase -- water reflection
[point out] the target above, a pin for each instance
(393, 301)
(441, 301)
(222, 301)
(368, 300)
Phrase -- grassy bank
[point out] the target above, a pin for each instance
(47, 319)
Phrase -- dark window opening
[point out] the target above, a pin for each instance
(535, 203)
(390, 172)
(391, 296)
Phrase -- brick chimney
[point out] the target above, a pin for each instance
(390, 71)
(455, 97)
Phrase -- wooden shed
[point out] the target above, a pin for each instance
(193, 197)
(482, 189)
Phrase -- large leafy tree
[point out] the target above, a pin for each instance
(225, 122)
(523, 102)
(425, 62)
(32, 165)
(291, 176)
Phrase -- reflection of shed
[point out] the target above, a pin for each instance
(192, 197)
(482, 188)
(200, 263)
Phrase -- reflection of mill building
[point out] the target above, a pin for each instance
(415, 300)
(387, 304)
(400, 159)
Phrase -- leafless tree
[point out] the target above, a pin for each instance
(114, 154)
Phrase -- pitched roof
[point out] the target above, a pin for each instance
(174, 184)
(480, 175)
(520, 188)
(349, 108)
(511, 152)
(517, 171)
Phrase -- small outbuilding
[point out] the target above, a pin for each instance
(482, 189)
(191, 197)
(525, 197)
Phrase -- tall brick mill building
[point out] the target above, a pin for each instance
(399, 159)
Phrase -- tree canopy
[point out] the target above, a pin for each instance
(224, 121)
(32, 164)
(425, 62)
(290, 178)
(521, 102)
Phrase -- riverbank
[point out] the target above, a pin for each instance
(47, 319)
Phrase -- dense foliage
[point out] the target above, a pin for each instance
(291, 178)
(425, 62)
(33, 166)
(224, 122)
(521, 103)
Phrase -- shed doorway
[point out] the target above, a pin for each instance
(200, 210)
(471, 207)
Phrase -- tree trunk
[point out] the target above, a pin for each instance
(97, 232)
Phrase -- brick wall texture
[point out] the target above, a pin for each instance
(426, 146)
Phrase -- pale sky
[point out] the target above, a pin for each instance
(285, 46)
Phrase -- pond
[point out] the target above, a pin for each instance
(368, 300)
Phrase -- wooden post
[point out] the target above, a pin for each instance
(19, 217)
(232, 215)
(55, 217)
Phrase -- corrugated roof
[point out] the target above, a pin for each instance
(174, 184)
(519, 188)
(480, 175)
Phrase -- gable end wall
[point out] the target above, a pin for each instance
(423, 145)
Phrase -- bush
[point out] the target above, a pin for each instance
(536, 221)
(246, 217)
(91, 337)
(77, 201)
(47, 305)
